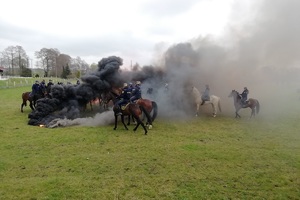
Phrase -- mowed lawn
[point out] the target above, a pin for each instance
(198, 158)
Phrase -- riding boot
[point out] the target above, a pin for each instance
(202, 102)
(119, 111)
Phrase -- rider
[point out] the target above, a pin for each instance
(35, 88)
(205, 96)
(48, 87)
(43, 86)
(123, 98)
(136, 92)
(244, 96)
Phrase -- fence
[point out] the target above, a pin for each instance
(12, 82)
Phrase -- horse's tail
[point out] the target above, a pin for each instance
(219, 105)
(154, 106)
(257, 106)
(147, 114)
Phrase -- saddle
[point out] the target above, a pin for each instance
(124, 106)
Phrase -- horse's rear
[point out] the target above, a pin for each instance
(149, 106)
(254, 104)
(25, 98)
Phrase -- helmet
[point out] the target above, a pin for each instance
(125, 85)
(138, 82)
(36, 81)
(245, 88)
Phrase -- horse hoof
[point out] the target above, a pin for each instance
(150, 127)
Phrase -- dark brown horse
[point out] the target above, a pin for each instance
(253, 104)
(32, 99)
(149, 106)
(131, 109)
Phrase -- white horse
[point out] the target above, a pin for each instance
(213, 100)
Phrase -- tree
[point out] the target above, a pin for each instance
(9, 54)
(48, 59)
(77, 64)
(14, 57)
(66, 72)
(61, 61)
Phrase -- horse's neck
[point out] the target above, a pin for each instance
(236, 98)
(196, 93)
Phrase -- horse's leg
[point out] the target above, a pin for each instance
(116, 121)
(197, 109)
(31, 105)
(91, 105)
(214, 110)
(236, 113)
(128, 123)
(139, 122)
(122, 119)
(252, 112)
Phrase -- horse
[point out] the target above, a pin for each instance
(32, 99)
(253, 104)
(150, 106)
(130, 109)
(213, 100)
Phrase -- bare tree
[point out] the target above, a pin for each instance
(22, 57)
(48, 59)
(9, 54)
(79, 65)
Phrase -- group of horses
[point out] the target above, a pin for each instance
(136, 111)
(214, 101)
(144, 107)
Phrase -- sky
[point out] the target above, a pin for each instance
(135, 30)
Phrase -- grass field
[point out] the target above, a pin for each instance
(200, 158)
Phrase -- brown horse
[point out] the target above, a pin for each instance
(32, 99)
(150, 106)
(131, 109)
(253, 104)
(26, 97)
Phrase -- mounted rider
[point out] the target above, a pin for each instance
(124, 98)
(42, 87)
(205, 95)
(136, 92)
(48, 87)
(244, 96)
(35, 89)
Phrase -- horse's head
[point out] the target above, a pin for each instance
(234, 94)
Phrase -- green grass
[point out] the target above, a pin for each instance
(201, 158)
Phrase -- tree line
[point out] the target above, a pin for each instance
(54, 63)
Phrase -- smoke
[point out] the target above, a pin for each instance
(259, 51)
(68, 101)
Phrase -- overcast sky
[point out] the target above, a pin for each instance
(93, 29)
